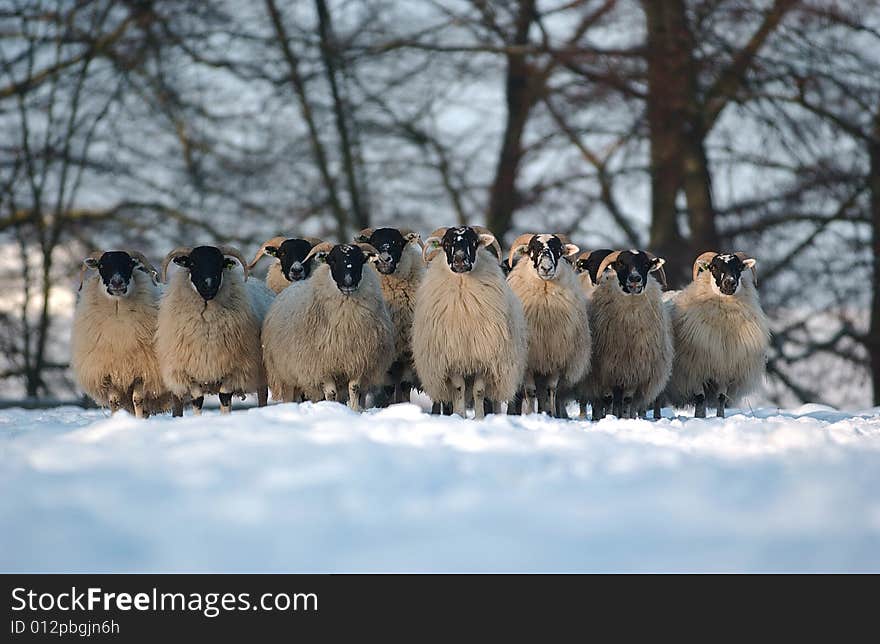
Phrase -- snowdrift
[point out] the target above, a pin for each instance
(316, 487)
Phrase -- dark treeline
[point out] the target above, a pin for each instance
(674, 125)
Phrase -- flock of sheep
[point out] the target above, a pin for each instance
(451, 316)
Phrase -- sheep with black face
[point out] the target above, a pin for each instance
(208, 337)
(632, 337)
(332, 336)
(721, 334)
(400, 266)
(469, 329)
(290, 266)
(113, 353)
(555, 310)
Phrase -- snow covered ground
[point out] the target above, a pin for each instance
(319, 488)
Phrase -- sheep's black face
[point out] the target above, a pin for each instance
(632, 268)
(390, 244)
(590, 264)
(292, 254)
(460, 245)
(206, 265)
(727, 271)
(115, 268)
(545, 251)
(346, 263)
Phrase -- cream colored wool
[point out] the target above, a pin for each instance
(112, 344)
(718, 338)
(212, 347)
(275, 280)
(632, 341)
(556, 316)
(314, 334)
(469, 324)
(399, 290)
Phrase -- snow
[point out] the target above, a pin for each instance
(320, 488)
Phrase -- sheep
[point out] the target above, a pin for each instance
(401, 269)
(208, 336)
(556, 314)
(289, 267)
(721, 334)
(113, 353)
(332, 331)
(586, 266)
(468, 325)
(632, 337)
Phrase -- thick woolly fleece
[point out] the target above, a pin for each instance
(315, 334)
(469, 324)
(632, 341)
(399, 290)
(112, 343)
(212, 347)
(720, 339)
(557, 320)
(275, 280)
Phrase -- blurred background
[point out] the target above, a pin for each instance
(674, 125)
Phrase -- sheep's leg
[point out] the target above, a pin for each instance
(626, 407)
(479, 390)
(262, 396)
(700, 405)
(330, 391)
(514, 407)
(114, 400)
(617, 402)
(405, 394)
(601, 407)
(561, 411)
(722, 402)
(436, 408)
(137, 401)
(489, 406)
(549, 397)
(197, 405)
(459, 404)
(657, 410)
(530, 393)
(225, 403)
(176, 407)
(354, 395)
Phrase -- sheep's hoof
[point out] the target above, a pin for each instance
(225, 403)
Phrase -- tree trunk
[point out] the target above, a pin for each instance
(873, 340)
(332, 64)
(520, 97)
(668, 63)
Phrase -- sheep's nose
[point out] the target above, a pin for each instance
(117, 282)
(296, 267)
(347, 280)
(385, 256)
(635, 278)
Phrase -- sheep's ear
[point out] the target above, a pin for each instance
(702, 266)
(90, 262)
(182, 260)
(411, 237)
(229, 263)
(360, 237)
(749, 263)
(320, 257)
(570, 249)
(656, 264)
(271, 250)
